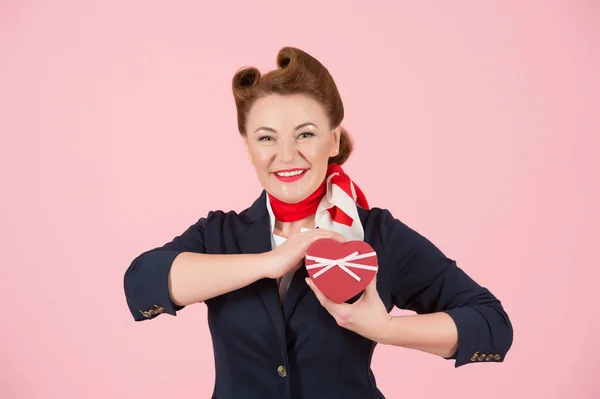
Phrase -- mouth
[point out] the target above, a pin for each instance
(289, 175)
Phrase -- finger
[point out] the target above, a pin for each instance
(341, 312)
(339, 237)
(334, 235)
(323, 300)
(371, 287)
(320, 297)
(316, 235)
(373, 284)
(369, 290)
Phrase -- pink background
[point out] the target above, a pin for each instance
(475, 124)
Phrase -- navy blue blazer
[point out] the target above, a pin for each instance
(264, 349)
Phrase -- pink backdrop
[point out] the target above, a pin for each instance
(475, 124)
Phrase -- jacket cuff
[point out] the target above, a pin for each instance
(476, 344)
(147, 285)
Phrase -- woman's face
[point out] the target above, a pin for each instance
(289, 143)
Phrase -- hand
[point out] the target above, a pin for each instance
(288, 256)
(367, 316)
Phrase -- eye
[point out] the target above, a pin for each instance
(306, 135)
(265, 138)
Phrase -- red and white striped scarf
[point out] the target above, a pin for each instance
(333, 204)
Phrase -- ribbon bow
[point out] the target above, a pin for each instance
(344, 264)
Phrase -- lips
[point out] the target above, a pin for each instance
(292, 175)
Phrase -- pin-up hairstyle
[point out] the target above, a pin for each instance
(297, 73)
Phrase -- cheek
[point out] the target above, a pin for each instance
(261, 156)
(316, 151)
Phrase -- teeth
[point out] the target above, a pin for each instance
(288, 174)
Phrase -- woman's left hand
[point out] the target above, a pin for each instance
(367, 316)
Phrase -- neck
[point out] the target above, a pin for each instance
(286, 229)
(300, 213)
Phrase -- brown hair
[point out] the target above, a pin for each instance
(297, 73)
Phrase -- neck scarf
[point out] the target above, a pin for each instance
(333, 203)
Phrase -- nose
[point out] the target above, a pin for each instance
(287, 151)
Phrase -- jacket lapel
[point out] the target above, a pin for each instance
(296, 291)
(257, 239)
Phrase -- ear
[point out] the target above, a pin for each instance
(337, 133)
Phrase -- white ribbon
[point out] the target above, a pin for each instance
(344, 264)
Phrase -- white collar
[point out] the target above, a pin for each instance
(271, 214)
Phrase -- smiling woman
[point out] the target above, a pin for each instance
(275, 334)
(290, 119)
(290, 156)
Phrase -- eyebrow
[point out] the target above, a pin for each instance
(296, 128)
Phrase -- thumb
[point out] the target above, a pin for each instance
(372, 287)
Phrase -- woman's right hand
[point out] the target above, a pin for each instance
(288, 256)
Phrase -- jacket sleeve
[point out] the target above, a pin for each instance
(426, 281)
(146, 279)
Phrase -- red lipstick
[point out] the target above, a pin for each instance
(294, 177)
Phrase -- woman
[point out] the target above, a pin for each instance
(275, 335)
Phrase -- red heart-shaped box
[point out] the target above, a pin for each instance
(341, 270)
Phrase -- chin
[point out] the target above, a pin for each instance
(290, 198)
(290, 193)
